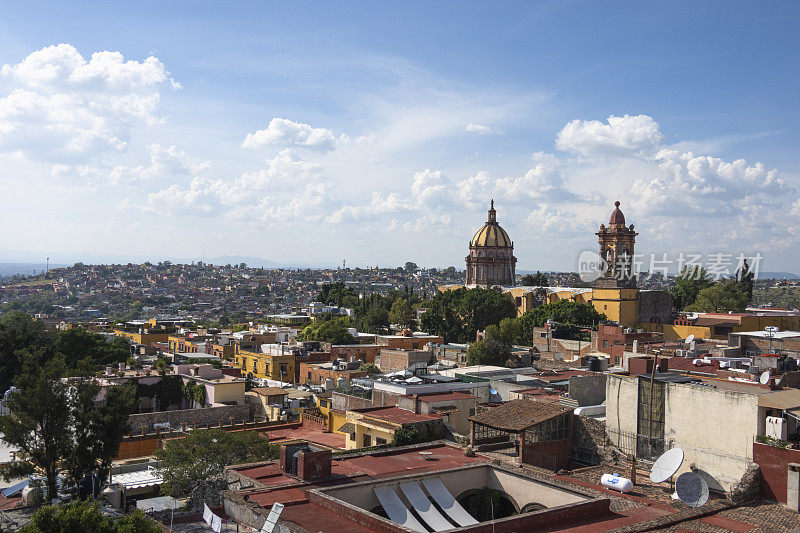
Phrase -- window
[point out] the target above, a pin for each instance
(518, 301)
(254, 366)
(309, 376)
(605, 344)
(379, 441)
(367, 441)
(353, 436)
(472, 412)
(284, 369)
(605, 307)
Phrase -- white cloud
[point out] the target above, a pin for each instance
(479, 128)
(165, 163)
(64, 108)
(287, 190)
(547, 221)
(618, 136)
(284, 132)
(686, 184)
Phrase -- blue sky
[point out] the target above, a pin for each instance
(378, 132)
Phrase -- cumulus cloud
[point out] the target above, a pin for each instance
(165, 163)
(63, 107)
(686, 184)
(284, 132)
(479, 128)
(288, 189)
(548, 220)
(617, 136)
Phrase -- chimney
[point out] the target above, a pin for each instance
(416, 404)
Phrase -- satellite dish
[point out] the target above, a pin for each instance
(691, 489)
(764, 379)
(492, 391)
(666, 465)
(689, 339)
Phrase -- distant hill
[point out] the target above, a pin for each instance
(777, 275)
(25, 269)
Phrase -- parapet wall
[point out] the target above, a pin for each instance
(208, 415)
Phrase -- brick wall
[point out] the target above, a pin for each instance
(774, 463)
(209, 415)
(365, 352)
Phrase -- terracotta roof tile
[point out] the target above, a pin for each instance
(520, 414)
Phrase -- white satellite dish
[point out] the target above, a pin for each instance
(666, 465)
(764, 379)
(691, 489)
(492, 391)
(689, 339)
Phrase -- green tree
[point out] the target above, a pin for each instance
(722, 296)
(688, 285)
(97, 426)
(488, 352)
(410, 267)
(18, 331)
(407, 436)
(376, 320)
(203, 454)
(535, 280)
(370, 368)
(38, 425)
(333, 331)
(77, 344)
(563, 312)
(87, 517)
(459, 314)
(402, 314)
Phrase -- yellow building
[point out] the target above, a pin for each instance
(141, 338)
(274, 366)
(720, 325)
(375, 426)
(618, 304)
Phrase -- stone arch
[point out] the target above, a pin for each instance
(471, 492)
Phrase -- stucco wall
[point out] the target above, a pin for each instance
(588, 390)
(622, 393)
(714, 427)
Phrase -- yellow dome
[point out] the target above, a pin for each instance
(491, 234)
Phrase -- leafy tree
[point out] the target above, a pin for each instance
(203, 454)
(407, 436)
(488, 352)
(722, 296)
(87, 517)
(98, 426)
(376, 320)
(402, 314)
(535, 280)
(333, 331)
(76, 344)
(410, 267)
(563, 312)
(370, 368)
(459, 314)
(38, 425)
(688, 285)
(18, 331)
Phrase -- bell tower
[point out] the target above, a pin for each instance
(614, 293)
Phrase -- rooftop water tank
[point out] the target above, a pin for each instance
(615, 482)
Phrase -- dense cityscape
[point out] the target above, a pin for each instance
(593, 323)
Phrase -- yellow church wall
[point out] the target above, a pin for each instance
(618, 304)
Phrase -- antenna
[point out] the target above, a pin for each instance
(764, 379)
(691, 489)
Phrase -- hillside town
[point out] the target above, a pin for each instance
(398, 400)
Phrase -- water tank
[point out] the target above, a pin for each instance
(615, 482)
(329, 384)
(594, 364)
(31, 495)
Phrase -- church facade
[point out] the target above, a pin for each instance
(491, 260)
(491, 263)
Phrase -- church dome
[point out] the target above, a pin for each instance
(617, 218)
(491, 234)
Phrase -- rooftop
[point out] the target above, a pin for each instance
(395, 415)
(517, 415)
(441, 396)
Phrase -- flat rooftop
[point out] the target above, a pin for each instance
(396, 415)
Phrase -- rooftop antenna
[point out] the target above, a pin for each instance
(48, 266)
